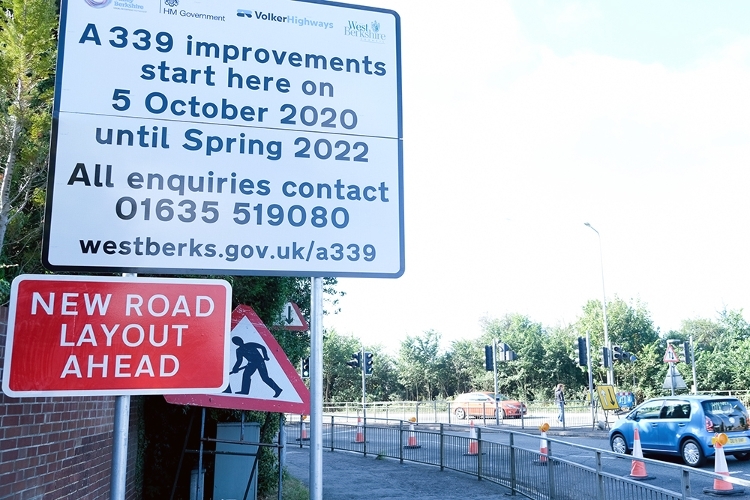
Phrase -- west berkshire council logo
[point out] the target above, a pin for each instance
(98, 4)
(172, 3)
(375, 26)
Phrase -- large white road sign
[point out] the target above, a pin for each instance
(227, 137)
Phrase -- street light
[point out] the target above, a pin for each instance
(611, 368)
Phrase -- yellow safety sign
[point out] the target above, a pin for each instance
(607, 397)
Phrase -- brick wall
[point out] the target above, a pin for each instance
(60, 448)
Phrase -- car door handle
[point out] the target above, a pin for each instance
(680, 425)
(654, 424)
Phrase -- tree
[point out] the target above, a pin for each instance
(519, 378)
(340, 381)
(27, 61)
(417, 362)
(463, 367)
(628, 325)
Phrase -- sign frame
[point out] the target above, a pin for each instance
(58, 252)
(90, 282)
(248, 403)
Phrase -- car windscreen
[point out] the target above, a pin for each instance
(727, 415)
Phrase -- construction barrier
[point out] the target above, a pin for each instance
(509, 458)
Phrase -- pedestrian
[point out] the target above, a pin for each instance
(560, 401)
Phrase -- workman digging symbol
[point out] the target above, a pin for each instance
(256, 356)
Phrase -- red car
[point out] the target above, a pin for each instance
(482, 404)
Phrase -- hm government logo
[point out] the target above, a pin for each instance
(172, 3)
(365, 32)
(98, 4)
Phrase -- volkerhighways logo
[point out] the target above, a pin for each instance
(98, 4)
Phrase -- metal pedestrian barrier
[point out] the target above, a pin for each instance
(510, 458)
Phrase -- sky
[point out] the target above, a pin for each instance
(525, 119)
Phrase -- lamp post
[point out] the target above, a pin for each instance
(611, 368)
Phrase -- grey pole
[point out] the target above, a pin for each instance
(494, 369)
(692, 359)
(120, 448)
(282, 453)
(316, 390)
(118, 478)
(364, 389)
(591, 378)
(611, 368)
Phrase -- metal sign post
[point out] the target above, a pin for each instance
(118, 478)
(591, 378)
(316, 390)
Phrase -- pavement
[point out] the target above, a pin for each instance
(350, 475)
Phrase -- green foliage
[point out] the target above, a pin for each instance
(292, 489)
(27, 59)
(417, 359)
(341, 383)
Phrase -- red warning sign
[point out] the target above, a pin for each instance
(86, 335)
(261, 377)
(670, 356)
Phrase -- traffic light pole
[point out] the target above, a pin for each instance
(494, 370)
(590, 362)
(692, 360)
(364, 390)
(316, 390)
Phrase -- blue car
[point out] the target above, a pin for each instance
(684, 426)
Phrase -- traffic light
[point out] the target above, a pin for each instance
(368, 363)
(582, 354)
(489, 364)
(618, 353)
(356, 360)
(305, 367)
(605, 357)
(506, 353)
(688, 352)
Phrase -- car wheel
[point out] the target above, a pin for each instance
(460, 413)
(502, 413)
(692, 453)
(618, 444)
(742, 456)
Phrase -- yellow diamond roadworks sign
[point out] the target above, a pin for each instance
(607, 397)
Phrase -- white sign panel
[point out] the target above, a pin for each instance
(227, 137)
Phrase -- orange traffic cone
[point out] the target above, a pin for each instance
(543, 444)
(412, 441)
(473, 443)
(721, 487)
(638, 467)
(303, 433)
(360, 437)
